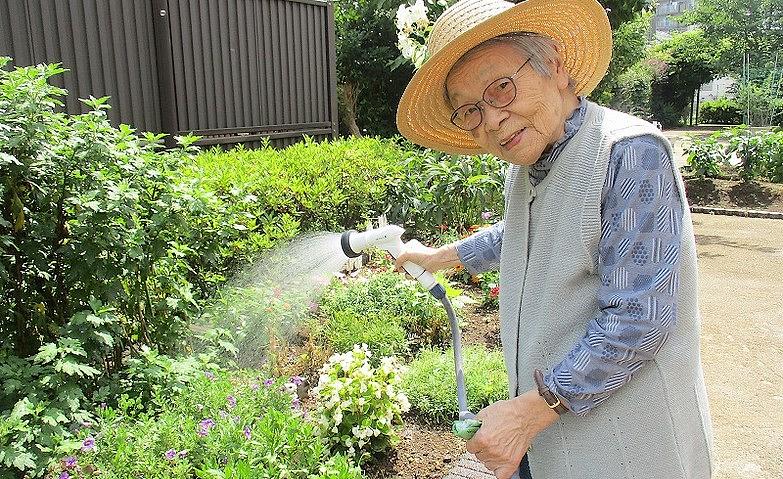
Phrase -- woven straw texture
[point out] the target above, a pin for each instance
(580, 27)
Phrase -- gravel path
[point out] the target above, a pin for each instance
(741, 295)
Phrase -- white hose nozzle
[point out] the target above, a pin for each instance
(388, 238)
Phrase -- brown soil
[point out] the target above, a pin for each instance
(726, 193)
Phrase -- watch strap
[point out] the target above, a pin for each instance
(553, 400)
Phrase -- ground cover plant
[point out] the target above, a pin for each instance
(431, 386)
(387, 295)
(236, 425)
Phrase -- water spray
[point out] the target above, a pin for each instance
(389, 238)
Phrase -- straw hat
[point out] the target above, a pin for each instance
(580, 27)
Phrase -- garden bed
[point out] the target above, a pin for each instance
(731, 193)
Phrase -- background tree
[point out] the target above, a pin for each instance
(684, 62)
(368, 90)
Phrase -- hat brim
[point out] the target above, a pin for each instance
(579, 27)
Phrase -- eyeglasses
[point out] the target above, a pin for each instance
(498, 94)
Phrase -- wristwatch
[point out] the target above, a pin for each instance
(552, 400)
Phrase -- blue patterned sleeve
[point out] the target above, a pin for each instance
(641, 217)
(480, 251)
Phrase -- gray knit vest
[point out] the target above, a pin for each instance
(658, 425)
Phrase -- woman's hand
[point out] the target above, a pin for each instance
(507, 430)
(431, 259)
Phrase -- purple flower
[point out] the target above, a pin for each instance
(486, 215)
(246, 432)
(232, 402)
(64, 475)
(296, 404)
(209, 375)
(204, 426)
(298, 380)
(88, 444)
(183, 453)
(269, 382)
(170, 454)
(69, 462)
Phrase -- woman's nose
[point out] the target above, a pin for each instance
(493, 117)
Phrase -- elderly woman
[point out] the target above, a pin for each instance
(598, 293)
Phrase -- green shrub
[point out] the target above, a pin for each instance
(431, 386)
(382, 333)
(390, 295)
(358, 405)
(218, 427)
(440, 192)
(319, 186)
(722, 111)
(706, 155)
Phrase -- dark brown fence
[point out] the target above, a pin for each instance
(229, 70)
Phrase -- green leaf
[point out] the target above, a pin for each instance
(70, 367)
(46, 353)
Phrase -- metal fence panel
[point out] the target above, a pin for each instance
(230, 70)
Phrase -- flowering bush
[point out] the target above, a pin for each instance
(220, 426)
(413, 29)
(358, 404)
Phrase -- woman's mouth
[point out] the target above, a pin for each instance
(513, 140)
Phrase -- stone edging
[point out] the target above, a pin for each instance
(775, 215)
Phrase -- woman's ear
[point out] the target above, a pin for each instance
(559, 71)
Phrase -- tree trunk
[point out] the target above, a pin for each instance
(349, 94)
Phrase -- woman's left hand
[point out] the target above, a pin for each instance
(507, 430)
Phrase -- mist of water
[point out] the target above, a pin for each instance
(270, 299)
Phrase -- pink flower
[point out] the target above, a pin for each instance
(494, 292)
(298, 380)
(254, 387)
(269, 382)
(170, 454)
(486, 215)
(64, 475)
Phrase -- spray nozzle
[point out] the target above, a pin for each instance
(389, 238)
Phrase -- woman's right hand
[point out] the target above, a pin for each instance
(431, 259)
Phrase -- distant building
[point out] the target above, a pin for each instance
(664, 23)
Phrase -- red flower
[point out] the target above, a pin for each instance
(494, 292)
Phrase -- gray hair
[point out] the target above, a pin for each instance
(539, 48)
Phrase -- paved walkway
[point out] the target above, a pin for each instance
(741, 302)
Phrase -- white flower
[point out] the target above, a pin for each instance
(418, 13)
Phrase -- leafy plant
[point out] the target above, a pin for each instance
(439, 191)
(706, 155)
(220, 426)
(430, 383)
(382, 333)
(390, 295)
(358, 405)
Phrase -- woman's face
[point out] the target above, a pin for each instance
(519, 132)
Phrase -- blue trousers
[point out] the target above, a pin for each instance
(524, 469)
